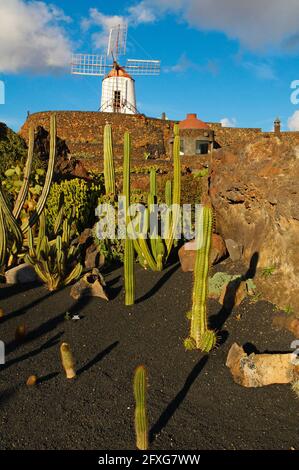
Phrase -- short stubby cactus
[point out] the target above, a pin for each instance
(67, 361)
(141, 425)
(200, 336)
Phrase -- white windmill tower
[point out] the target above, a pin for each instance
(118, 86)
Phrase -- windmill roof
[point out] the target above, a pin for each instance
(118, 71)
(192, 122)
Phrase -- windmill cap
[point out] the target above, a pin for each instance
(192, 122)
(119, 72)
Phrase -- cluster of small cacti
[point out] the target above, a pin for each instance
(56, 261)
(154, 254)
(11, 232)
(201, 337)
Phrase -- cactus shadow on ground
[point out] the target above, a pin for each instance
(97, 358)
(217, 321)
(159, 284)
(178, 399)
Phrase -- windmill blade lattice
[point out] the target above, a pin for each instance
(143, 67)
(89, 64)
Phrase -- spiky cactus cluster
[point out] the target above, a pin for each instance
(11, 233)
(109, 173)
(141, 424)
(55, 261)
(200, 335)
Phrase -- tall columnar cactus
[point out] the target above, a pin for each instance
(176, 192)
(9, 226)
(168, 193)
(109, 173)
(141, 425)
(200, 336)
(129, 245)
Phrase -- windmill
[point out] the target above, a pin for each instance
(118, 86)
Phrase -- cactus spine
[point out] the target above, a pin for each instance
(129, 246)
(67, 361)
(109, 173)
(141, 425)
(200, 336)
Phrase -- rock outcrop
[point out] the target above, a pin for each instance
(255, 193)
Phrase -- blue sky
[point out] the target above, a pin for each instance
(225, 60)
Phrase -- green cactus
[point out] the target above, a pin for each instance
(176, 196)
(168, 193)
(109, 173)
(9, 226)
(151, 254)
(141, 424)
(129, 245)
(49, 176)
(55, 261)
(200, 336)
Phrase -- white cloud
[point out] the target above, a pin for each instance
(139, 13)
(32, 38)
(293, 122)
(228, 122)
(105, 22)
(183, 65)
(262, 70)
(257, 24)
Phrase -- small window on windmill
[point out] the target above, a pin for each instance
(201, 147)
(116, 102)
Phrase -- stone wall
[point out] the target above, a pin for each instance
(83, 133)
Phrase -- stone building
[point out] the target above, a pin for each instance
(197, 138)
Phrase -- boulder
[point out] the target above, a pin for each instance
(92, 284)
(22, 274)
(93, 259)
(290, 323)
(256, 202)
(234, 250)
(257, 370)
(187, 253)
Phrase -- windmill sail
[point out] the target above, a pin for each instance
(143, 67)
(88, 64)
(117, 44)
